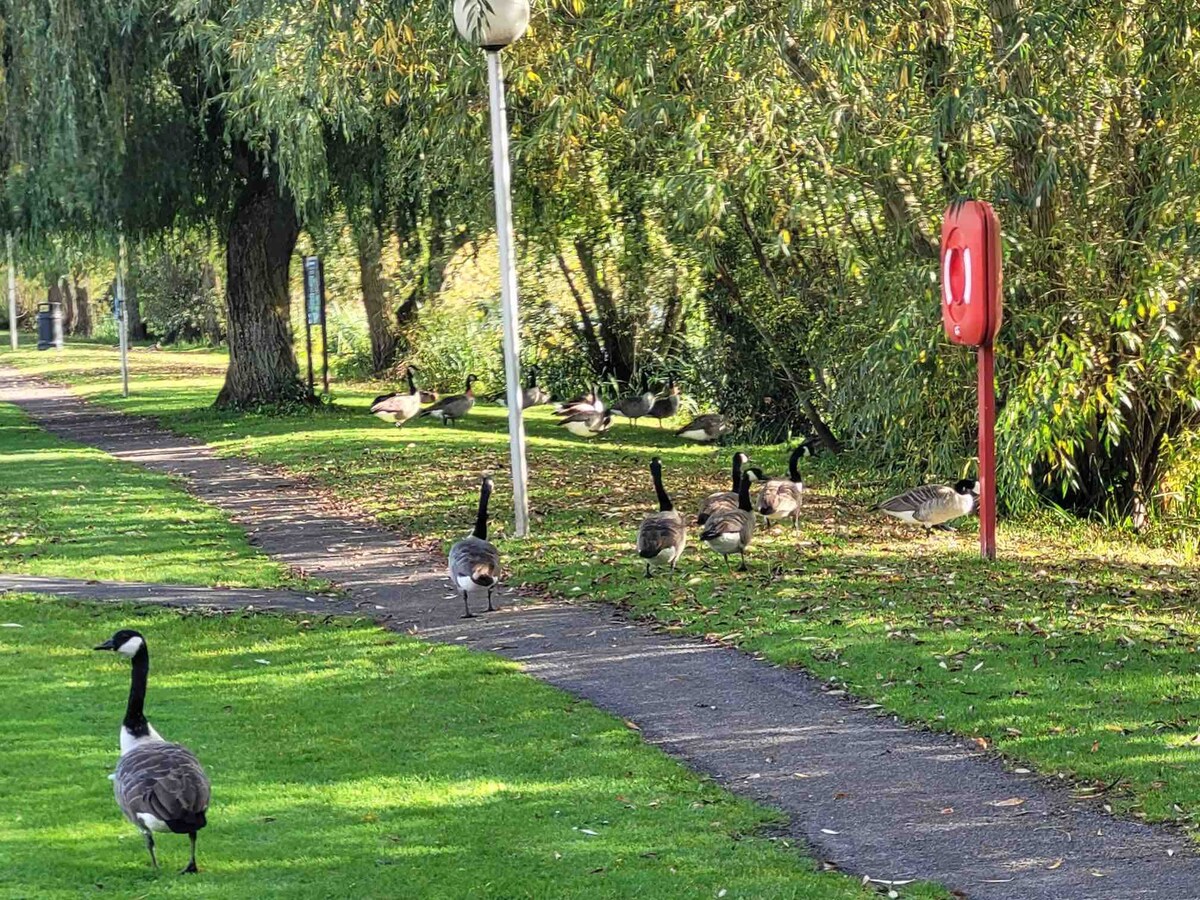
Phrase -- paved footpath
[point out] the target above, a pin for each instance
(865, 792)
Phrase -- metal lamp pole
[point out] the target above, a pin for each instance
(508, 292)
(122, 317)
(492, 25)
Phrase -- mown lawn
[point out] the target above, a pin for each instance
(350, 762)
(76, 512)
(1076, 652)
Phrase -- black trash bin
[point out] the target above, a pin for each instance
(49, 326)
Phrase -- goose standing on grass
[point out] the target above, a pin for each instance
(933, 505)
(662, 535)
(533, 395)
(782, 497)
(450, 409)
(731, 530)
(474, 561)
(635, 406)
(666, 407)
(158, 785)
(587, 424)
(727, 499)
(398, 407)
(589, 402)
(704, 429)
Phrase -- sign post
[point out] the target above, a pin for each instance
(122, 312)
(972, 312)
(12, 292)
(314, 314)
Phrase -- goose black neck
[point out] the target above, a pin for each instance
(737, 471)
(470, 391)
(744, 493)
(135, 716)
(481, 518)
(533, 378)
(412, 385)
(664, 500)
(793, 471)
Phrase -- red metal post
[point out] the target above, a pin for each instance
(987, 452)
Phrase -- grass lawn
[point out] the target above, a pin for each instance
(76, 512)
(450, 774)
(1076, 653)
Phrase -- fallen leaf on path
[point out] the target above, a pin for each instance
(1055, 864)
(1011, 801)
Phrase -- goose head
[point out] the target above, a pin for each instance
(126, 642)
(967, 486)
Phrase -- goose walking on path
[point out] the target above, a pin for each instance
(634, 406)
(727, 499)
(159, 786)
(398, 406)
(933, 505)
(783, 497)
(450, 409)
(666, 407)
(662, 536)
(704, 429)
(474, 561)
(731, 530)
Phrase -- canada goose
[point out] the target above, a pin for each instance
(587, 424)
(662, 535)
(589, 402)
(666, 407)
(731, 530)
(782, 497)
(474, 562)
(450, 409)
(398, 407)
(704, 429)
(533, 395)
(933, 505)
(158, 785)
(727, 499)
(634, 406)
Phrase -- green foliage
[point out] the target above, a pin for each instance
(176, 284)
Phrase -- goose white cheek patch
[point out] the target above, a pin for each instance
(131, 647)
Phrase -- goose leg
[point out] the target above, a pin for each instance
(727, 569)
(467, 606)
(150, 847)
(647, 570)
(743, 567)
(191, 866)
(490, 607)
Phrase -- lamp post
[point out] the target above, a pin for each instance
(12, 292)
(492, 25)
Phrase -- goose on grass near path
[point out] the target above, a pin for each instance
(474, 561)
(666, 407)
(727, 499)
(662, 536)
(159, 786)
(704, 429)
(398, 406)
(933, 505)
(731, 530)
(587, 424)
(783, 497)
(451, 409)
(586, 403)
(634, 406)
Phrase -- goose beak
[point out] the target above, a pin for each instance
(107, 645)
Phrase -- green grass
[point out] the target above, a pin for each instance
(1076, 653)
(447, 774)
(76, 512)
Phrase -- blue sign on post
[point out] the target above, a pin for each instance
(314, 289)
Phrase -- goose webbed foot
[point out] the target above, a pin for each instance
(191, 866)
(743, 567)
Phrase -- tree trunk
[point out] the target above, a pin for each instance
(616, 331)
(262, 235)
(83, 309)
(60, 293)
(137, 325)
(374, 293)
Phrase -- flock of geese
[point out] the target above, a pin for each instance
(585, 415)
(161, 786)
